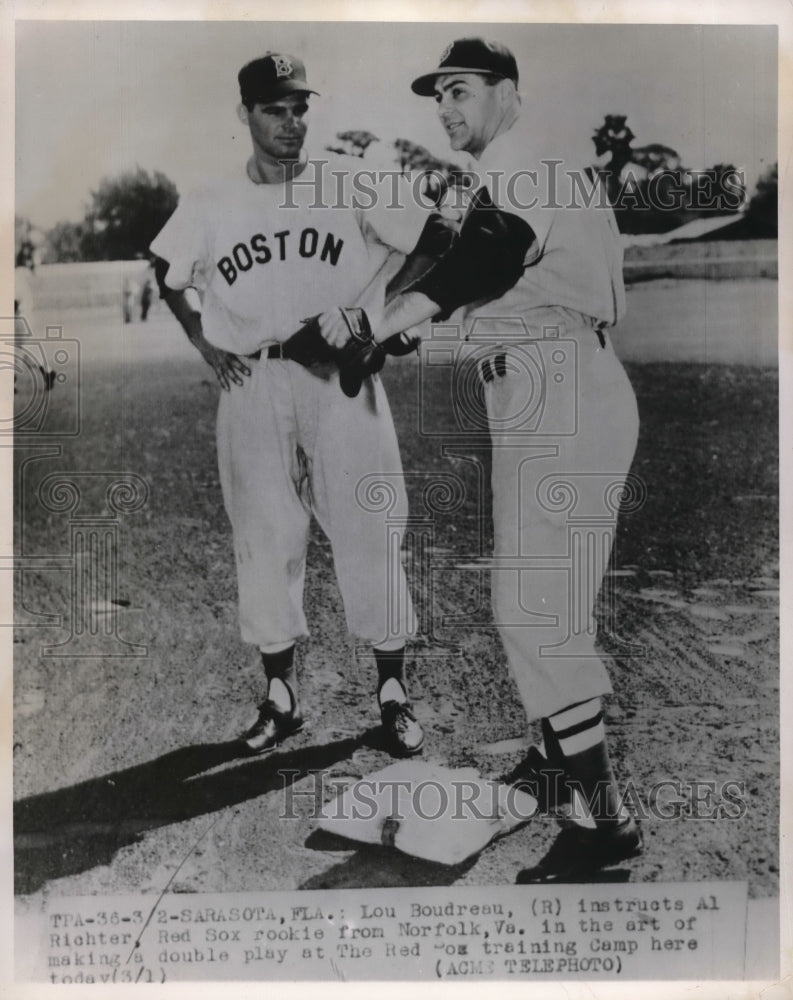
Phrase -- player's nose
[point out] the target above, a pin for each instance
(444, 102)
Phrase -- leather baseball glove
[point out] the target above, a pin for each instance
(357, 360)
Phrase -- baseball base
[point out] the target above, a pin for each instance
(427, 811)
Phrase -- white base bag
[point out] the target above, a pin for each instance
(428, 811)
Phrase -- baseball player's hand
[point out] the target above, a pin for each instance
(452, 216)
(228, 368)
(357, 356)
(360, 357)
(334, 328)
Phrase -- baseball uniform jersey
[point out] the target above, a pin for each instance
(290, 443)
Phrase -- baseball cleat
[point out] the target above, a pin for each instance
(579, 852)
(404, 735)
(540, 779)
(271, 728)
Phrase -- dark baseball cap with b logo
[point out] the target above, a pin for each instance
(273, 75)
(470, 55)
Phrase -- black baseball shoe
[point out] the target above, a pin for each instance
(403, 732)
(538, 777)
(579, 853)
(271, 728)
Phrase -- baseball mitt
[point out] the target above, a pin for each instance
(357, 360)
(484, 262)
(361, 356)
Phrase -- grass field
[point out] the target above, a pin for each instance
(120, 763)
(713, 259)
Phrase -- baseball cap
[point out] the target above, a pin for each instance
(469, 55)
(272, 76)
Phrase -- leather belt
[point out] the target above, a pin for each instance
(273, 351)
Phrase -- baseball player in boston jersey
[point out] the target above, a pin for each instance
(563, 424)
(265, 254)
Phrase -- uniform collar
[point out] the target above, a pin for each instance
(514, 135)
(254, 174)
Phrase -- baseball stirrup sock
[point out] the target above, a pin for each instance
(580, 737)
(281, 673)
(390, 674)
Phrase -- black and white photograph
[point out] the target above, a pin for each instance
(396, 524)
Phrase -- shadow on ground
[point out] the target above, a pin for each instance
(73, 829)
(372, 866)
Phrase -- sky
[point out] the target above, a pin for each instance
(94, 99)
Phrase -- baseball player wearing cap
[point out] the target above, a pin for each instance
(563, 424)
(264, 253)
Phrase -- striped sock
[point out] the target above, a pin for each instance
(281, 673)
(390, 674)
(577, 734)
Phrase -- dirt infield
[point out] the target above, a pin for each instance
(122, 770)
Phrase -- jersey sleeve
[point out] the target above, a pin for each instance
(523, 185)
(523, 191)
(397, 214)
(183, 243)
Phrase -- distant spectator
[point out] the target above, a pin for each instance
(145, 299)
(23, 299)
(127, 300)
(24, 319)
(26, 255)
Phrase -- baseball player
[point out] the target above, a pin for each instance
(23, 294)
(563, 423)
(266, 248)
(25, 321)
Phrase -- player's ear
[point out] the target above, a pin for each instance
(242, 113)
(507, 92)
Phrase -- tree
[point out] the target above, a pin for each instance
(413, 158)
(24, 244)
(614, 138)
(716, 191)
(439, 175)
(126, 213)
(646, 185)
(759, 220)
(64, 243)
(762, 211)
(353, 143)
(729, 190)
(359, 140)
